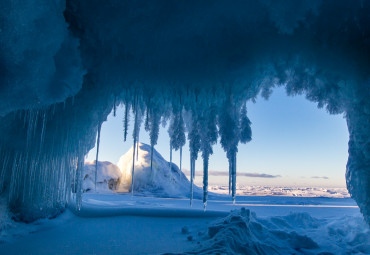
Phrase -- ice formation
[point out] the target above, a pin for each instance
(65, 64)
(162, 179)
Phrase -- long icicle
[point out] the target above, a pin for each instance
(79, 191)
(230, 180)
(114, 106)
(205, 181)
(151, 158)
(191, 179)
(180, 162)
(234, 177)
(137, 147)
(97, 153)
(170, 159)
(125, 121)
(133, 148)
(133, 169)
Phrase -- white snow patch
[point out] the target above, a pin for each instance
(163, 180)
(108, 177)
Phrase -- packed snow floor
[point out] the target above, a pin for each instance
(122, 224)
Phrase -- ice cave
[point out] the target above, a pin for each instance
(194, 65)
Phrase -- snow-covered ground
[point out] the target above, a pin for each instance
(122, 224)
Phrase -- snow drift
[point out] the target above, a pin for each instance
(242, 232)
(107, 177)
(164, 179)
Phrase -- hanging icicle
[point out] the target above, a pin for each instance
(194, 147)
(97, 153)
(153, 133)
(180, 162)
(170, 157)
(230, 178)
(234, 177)
(191, 179)
(135, 109)
(79, 191)
(205, 181)
(126, 120)
(114, 106)
(137, 148)
(133, 169)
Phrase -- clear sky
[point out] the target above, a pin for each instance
(292, 138)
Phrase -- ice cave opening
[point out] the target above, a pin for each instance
(65, 65)
(324, 137)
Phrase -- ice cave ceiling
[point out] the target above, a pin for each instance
(65, 64)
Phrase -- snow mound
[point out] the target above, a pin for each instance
(162, 180)
(242, 232)
(108, 177)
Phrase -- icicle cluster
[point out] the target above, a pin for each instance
(40, 179)
(202, 116)
(42, 171)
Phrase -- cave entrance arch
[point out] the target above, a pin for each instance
(321, 50)
(60, 142)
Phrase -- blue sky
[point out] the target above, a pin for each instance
(292, 138)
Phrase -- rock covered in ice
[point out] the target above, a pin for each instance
(108, 177)
(163, 180)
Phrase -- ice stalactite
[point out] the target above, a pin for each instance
(230, 182)
(233, 175)
(245, 126)
(229, 129)
(137, 123)
(170, 159)
(126, 120)
(176, 130)
(114, 106)
(245, 136)
(153, 133)
(192, 180)
(97, 153)
(205, 181)
(194, 147)
(208, 136)
(137, 145)
(78, 180)
(133, 168)
(180, 161)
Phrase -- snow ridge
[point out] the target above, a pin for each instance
(243, 233)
